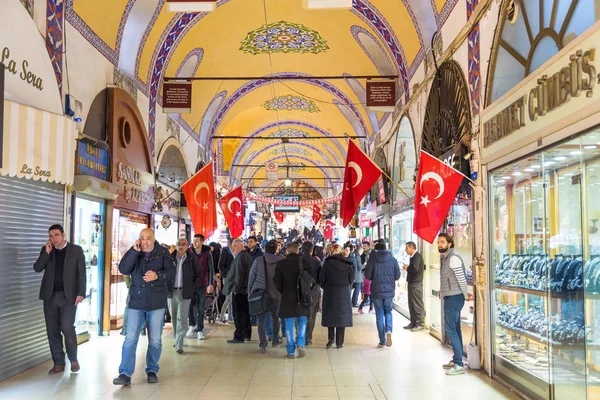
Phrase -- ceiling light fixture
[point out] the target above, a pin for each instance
(506, 177)
(590, 147)
(288, 182)
(547, 163)
(325, 4)
(560, 158)
(576, 152)
(528, 170)
(517, 173)
(536, 166)
(191, 5)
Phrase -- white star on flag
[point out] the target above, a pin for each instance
(425, 200)
(238, 214)
(205, 206)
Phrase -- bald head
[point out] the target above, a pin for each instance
(237, 246)
(147, 240)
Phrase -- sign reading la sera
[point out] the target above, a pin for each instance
(381, 95)
(177, 97)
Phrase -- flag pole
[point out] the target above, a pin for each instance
(466, 177)
(200, 170)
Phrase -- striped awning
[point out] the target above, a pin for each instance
(37, 144)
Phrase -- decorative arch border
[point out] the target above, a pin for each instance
(412, 130)
(442, 17)
(218, 97)
(171, 142)
(199, 52)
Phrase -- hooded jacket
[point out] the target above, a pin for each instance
(383, 270)
(336, 277)
(257, 279)
(152, 295)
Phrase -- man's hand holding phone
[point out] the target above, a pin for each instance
(49, 246)
(137, 245)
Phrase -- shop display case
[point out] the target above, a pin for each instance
(546, 274)
(402, 232)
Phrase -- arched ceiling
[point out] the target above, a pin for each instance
(372, 38)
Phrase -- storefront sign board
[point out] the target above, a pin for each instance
(381, 95)
(92, 160)
(561, 92)
(177, 97)
(365, 221)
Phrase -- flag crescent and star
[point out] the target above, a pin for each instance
(233, 210)
(199, 193)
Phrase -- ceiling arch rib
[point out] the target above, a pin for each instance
(278, 185)
(294, 158)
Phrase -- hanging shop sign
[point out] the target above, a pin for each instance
(272, 171)
(286, 205)
(365, 221)
(30, 77)
(545, 100)
(381, 95)
(192, 5)
(177, 97)
(92, 160)
(381, 191)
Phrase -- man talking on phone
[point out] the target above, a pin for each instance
(151, 267)
(63, 288)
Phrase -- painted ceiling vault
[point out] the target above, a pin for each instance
(267, 38)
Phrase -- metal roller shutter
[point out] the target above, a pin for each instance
(27, 209)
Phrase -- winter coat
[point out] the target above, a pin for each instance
(257, 252)
(191, 275)
(356, 267)
(225, 261)
(383, 270)
(257, 278)
(316, 266)
(366, 289)
(237, 278)
(286, 282)
(152, 295)
(207, 268)
(336, 277)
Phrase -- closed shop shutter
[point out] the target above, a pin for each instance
(27, 209)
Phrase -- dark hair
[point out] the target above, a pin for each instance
(253, 238)
(271, 247)
(367, 243)
(412, 245)
(448, 239)
(318, 251)
(380, 246)
(307, 248)
(55, 227)
(292, 247)
(199, 236)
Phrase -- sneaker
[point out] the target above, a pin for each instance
(360, 311)
(123, 333)
(388, 339)
(222, 323)
(371, 311)
(289, 356)
(450, 365)
(122, 380)
(418, 328)
(301, 352)
(381, 346)
(408, 327)
(191, 332)
(262, 350)
(277, 343)
(309, 343)
(201, 336)
(456, 370)
(152, 378)
(179, 350)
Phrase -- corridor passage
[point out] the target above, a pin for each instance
(213, 369)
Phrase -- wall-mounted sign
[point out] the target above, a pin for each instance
(365, 221)
(284, 207)
(129, 174)
(381, 95)
(177, 97)
(92, 160)
(272, 171)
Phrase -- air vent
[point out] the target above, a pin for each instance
(512, 12)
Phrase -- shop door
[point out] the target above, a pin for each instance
(29, 208)
(88, 232)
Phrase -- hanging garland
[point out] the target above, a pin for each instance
(270, 200)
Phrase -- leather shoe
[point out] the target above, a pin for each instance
(57, 369)
(409, 326)
(329, 343)
(75, 366)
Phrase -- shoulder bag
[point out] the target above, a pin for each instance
(258, 301)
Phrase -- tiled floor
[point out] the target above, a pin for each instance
(213, 369)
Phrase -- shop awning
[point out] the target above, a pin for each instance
(37, 144)
(95, 187)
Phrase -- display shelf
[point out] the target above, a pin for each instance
(559, 346)
(543, 293)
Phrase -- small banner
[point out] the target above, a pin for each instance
(381, 95)
(177, 97)
(272, 171)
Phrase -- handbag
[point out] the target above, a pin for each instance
(258, 301)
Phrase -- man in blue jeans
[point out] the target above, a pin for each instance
(150, 266)
(383, 270)
(453, 289)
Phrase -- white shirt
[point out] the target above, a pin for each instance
(179, 275)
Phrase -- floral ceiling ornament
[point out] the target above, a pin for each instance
(288, 133)
(283, 37)
(290, 150)
(291, 103)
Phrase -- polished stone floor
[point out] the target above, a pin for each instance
(213, 369)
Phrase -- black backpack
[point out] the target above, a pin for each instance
(304, 286)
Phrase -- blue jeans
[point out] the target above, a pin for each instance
(290, 324)
(269, 325)
(357, 291)
(452, 308)
(135, 322)
(383, 316)
(196, 312)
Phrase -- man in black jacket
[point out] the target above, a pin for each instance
(414, 279)
(151, 267)
(63, 288)
(224, 301)
(237, 284)
(290, 310)
(308, 259)
(182, 289)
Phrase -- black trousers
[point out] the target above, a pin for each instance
(338, 334)
(416, 308)
(312, 319)
(241, 317)
(60, 321)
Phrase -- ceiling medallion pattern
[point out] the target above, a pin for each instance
(290, 150)
(288, 133)
(291, 103)
(283, 37)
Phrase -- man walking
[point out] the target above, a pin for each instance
(291, 309)
(182, 289)
(308, 259)
(383, 270)
(225, 261)
(237, 284)
(255, 250)
(196, 314)
(453, 291)
(261, 277)
(151, 267)
(414, 279)
(63, 288)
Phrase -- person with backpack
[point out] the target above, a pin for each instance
(357, 266)
(295, 280)
(336, 277)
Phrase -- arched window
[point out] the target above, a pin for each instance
(531, 32)
(405, 161)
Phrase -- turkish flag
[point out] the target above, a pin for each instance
(316, 214)
(278, 217)
(328, 231)
(199, 194)
(233, 210)
(360, 176)
(437, 185)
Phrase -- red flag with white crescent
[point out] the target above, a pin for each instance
(233, 210)
(199, 193)
(316, 214)
(279, 217)
(328, 231)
